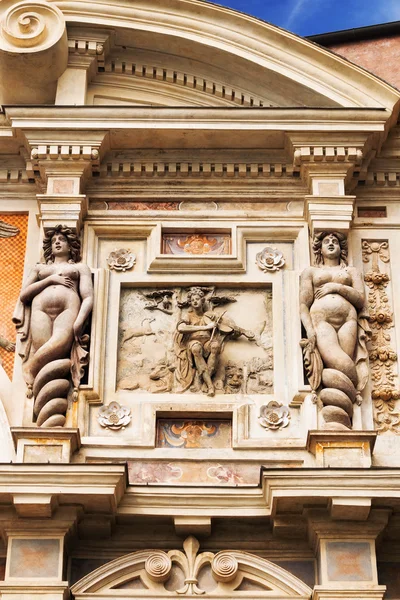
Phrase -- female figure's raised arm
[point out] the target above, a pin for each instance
(306, 300)
(86, 293)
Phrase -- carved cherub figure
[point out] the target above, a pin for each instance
(199, 340)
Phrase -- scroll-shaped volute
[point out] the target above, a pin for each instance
(158, 566)
(33, 52)
(224, 567)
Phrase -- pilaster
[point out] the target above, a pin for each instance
(36, 555)
(346, 555)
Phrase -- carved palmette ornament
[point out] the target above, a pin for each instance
(382, 356)
(270, 260)
(114, 416)
(121, 260)
(274, 415)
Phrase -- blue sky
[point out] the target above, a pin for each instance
(307, 17)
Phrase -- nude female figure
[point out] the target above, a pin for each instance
(332, 300)
(56, 299)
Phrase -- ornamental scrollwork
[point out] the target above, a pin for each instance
(382, 356)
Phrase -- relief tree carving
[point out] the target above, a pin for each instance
(332, 310)
(54, 305)
(382, 356)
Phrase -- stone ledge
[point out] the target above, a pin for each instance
(47, 445)
(342, 449)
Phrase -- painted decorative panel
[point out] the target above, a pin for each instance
(180, 472)
(13, 232)
(172, 433)
(196, 243)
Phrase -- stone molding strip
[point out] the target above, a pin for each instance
(168, 75)
(194, 169)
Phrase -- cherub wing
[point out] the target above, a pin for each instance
(7, 230)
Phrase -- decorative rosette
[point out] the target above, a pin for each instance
(274, 415)
(121, 260)
(114, 416)
(270, 259)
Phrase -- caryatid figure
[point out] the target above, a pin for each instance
(332, 310)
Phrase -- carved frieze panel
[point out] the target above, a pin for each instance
(382, 353)
(202, 340)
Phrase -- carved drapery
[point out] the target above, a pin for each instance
(382, 355)
(155, 573)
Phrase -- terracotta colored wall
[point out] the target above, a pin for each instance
(12, 256)
(379, 56)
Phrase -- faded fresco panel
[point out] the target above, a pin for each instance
(196, 243)
(235, 341)
(349, 561)
(181, 472)
(12, 256)
(35, 558)
(173, 433)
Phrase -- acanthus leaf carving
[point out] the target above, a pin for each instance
(382, 356)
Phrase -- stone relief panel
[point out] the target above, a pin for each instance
(196, 243)
(173, 433)
(202, 340)
(382, 354)
(13, 231)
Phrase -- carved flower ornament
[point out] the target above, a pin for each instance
(274, 415)
(114, 416)
(270, 259)
(121, 260)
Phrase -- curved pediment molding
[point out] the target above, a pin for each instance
(291, 67)
(175, 573)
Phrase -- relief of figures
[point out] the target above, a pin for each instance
(333, 313)
(196, 340)
(54, 306)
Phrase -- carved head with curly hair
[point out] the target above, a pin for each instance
(71, 238)
(330, 237)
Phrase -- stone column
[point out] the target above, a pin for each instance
(345, 551)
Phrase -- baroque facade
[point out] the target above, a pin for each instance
(199, 319)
